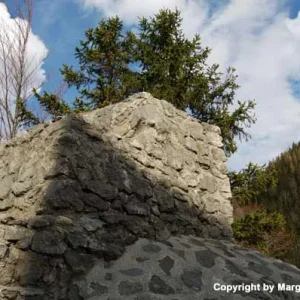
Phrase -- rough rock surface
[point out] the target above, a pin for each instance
(78, 193)
(186, 267)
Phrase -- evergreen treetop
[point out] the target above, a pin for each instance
(159, 59)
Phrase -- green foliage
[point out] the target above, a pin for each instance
(253, 229)
(174, 68)
(158, 59)
(285, 196)
(24, 116)
(104, 76)
(276, 188)
(52, 104)
(249, 184)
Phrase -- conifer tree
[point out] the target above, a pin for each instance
(104, 76)
(158, 59)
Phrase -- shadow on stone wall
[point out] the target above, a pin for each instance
(95, 202)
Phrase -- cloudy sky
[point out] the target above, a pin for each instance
(260, 38)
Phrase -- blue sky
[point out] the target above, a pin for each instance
(260, 38)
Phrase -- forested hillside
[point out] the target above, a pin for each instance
(267, 199)
(285, 195)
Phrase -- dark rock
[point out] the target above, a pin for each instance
(79, 262)
(112, 217)
(142, 259)
(97, 289)
(164, 200)
(24, 243)
(132, 272)
(49, 242)
(128, 288)
(77, 239)
(195, 242)
(108, 276)
(158, 286)
(285, 267)
(62, 194)
(233, 268)
(186, 245)
(179, 252)
(103, 189)
(192, 279)
(95, 201)
(90, 224)
(206, 258)
(30, 271)
(138, 226)
(117, 205)
(109, 251)
(151, 248)
(73, 293)
(187, 211)
(260, 268)
(40, 222)
(135, 207)
(167, 263)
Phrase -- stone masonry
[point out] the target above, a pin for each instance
(131, 201)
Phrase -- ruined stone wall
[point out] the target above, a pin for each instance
(84, 187)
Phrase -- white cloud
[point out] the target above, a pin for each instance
(260, 41)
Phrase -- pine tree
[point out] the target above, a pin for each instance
(104, 76)
(158, 59)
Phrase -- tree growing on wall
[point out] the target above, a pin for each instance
(159, 59)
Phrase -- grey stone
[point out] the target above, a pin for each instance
(260, 268)
(233, 268)
(40, 222)
(151, 248)
(192, 279)
(48, 242)
(6, 204)
(158, 286)
(6, 184)
(206, 258)
(133, 272)
(95, 201)
(3, 250)
(10, 294)
(108, 276)
(90, 224)
(63, 194)
(135, 207)
(164, 200)
(167, 263)
(63, 221)
(142, 259)
(179, 252)
(15, 233)
(103, 189)
(24, 243)
(128, 288)
(77, 239)
(196, 242)
(20, 188)
(79, 262)
(97, 289)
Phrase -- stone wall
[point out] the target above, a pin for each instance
(85, 187)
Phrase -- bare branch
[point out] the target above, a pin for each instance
(16, 71)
